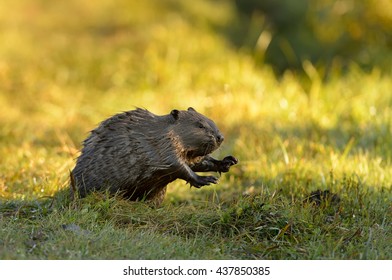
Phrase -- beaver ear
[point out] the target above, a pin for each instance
(175, 113)
(191, 109)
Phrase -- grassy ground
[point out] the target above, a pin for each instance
(292, 134)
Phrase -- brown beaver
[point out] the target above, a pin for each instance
(137, 153)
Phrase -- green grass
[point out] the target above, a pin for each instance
(293, 134)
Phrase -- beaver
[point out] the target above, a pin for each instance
(137, 153)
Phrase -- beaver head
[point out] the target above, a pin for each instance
(198, 134)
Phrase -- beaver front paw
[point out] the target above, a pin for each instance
(201, 181)
(225, 164)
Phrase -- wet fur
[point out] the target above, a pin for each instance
(137, 153)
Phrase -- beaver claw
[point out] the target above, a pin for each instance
(203, 181)
(226, 163)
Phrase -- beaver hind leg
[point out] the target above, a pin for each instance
(156, 198)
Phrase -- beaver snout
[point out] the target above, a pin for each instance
(219, 138)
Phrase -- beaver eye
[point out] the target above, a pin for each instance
(200, 125)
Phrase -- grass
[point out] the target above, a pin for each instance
(293, 134)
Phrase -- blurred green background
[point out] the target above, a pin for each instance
(277, 76)
(328, 33)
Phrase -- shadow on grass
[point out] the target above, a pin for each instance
(271, 223)
(34, 208)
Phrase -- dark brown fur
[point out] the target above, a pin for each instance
(137, 153)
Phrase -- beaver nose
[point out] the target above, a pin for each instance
(220, 138)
